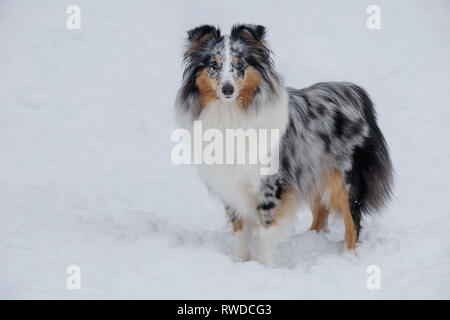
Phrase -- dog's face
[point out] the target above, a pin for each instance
(229, 68)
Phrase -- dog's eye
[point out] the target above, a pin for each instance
(239, 66)
(215, 65)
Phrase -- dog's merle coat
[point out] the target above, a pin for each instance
(328, 126)
(332, 125)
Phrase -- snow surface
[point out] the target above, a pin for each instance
(85, 171)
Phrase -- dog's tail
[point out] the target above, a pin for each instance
(372, 173)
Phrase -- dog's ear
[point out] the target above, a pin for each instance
(203, 33)
(246, 31)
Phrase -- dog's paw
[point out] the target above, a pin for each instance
(240, 255)
(349, 253)
(266, 261)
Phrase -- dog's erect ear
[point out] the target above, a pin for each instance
(257, 32)
(202, 33)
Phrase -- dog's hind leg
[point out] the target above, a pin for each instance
(320, 215)
(339, 201)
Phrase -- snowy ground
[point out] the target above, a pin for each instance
(85, 171)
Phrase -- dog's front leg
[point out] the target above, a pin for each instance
(242, 234)
(277, 208)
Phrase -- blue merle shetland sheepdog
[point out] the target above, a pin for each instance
(332, 155)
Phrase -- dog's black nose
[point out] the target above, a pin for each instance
(227, 89)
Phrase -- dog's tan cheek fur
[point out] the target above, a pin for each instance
(248, 87)
(207, 87)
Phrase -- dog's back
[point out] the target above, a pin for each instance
(333, 126)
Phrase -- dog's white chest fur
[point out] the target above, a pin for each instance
(238, 184)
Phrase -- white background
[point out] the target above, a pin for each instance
(85, 171)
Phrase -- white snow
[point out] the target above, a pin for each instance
(85, 171)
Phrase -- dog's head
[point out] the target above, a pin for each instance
(230, 68)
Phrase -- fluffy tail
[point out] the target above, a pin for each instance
(372, 174)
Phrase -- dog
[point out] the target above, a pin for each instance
(332, 154)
